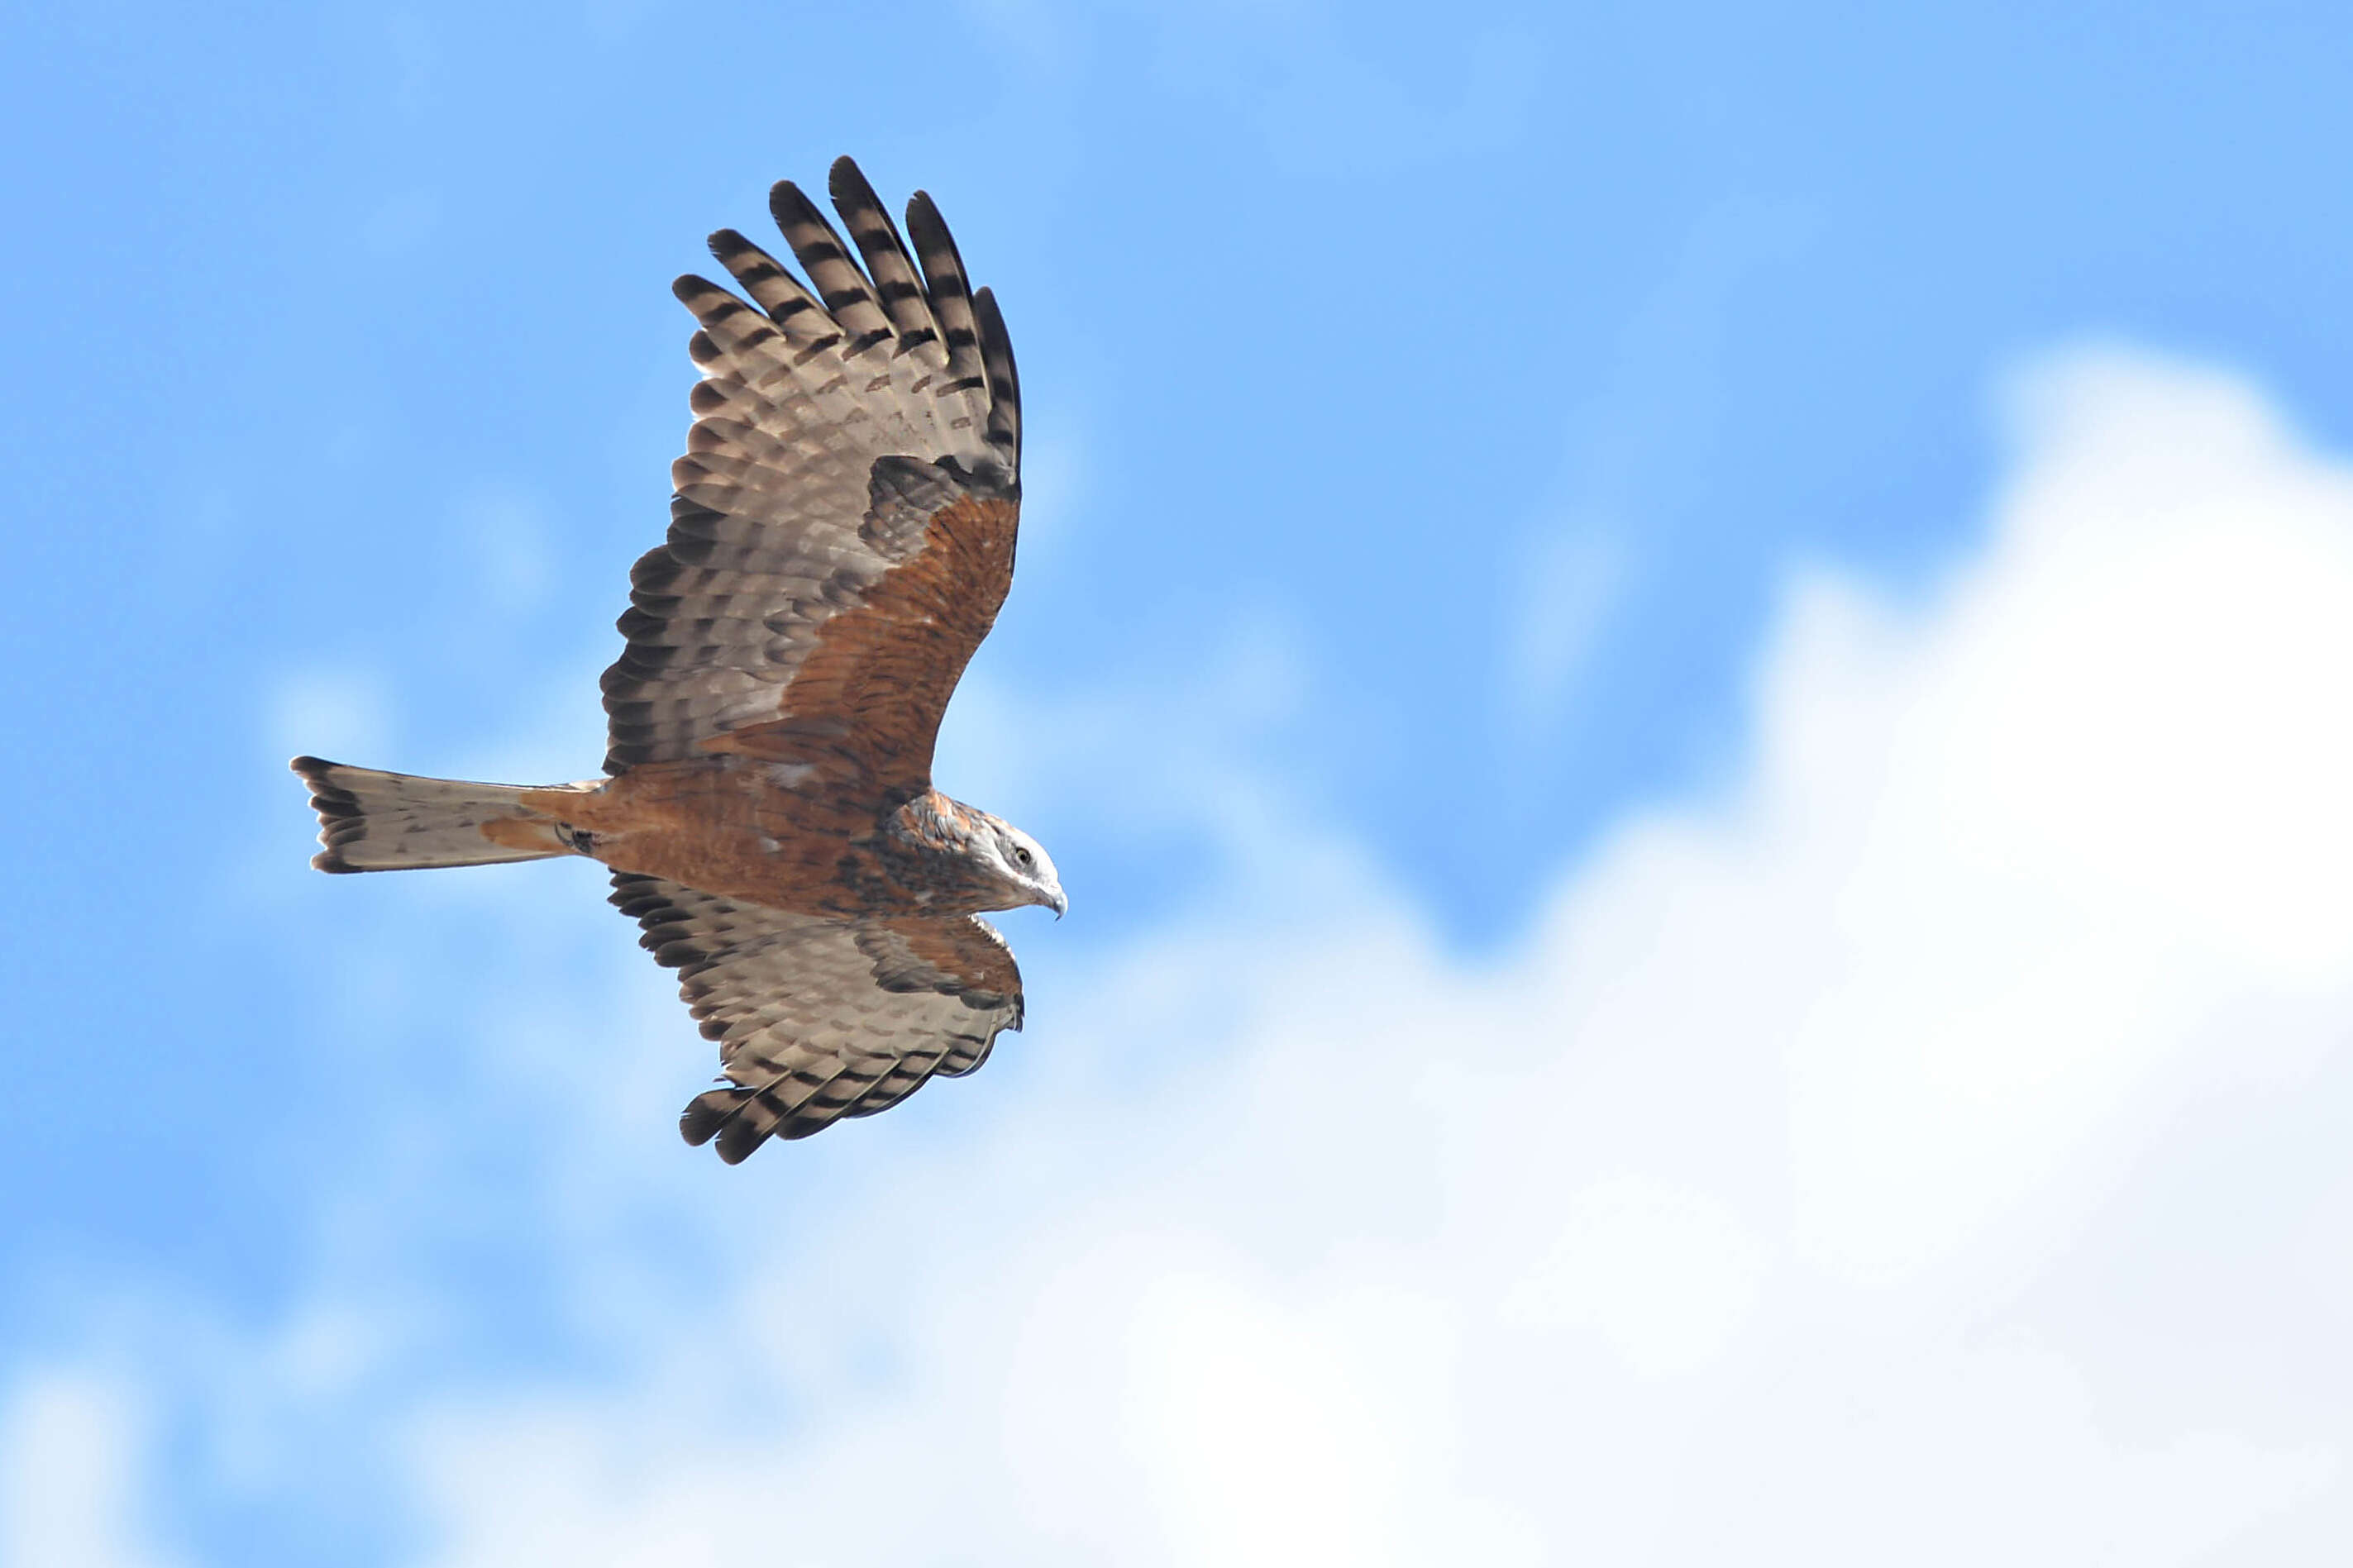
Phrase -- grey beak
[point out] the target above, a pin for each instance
(1061, 903)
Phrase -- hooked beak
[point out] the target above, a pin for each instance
(1060, 904)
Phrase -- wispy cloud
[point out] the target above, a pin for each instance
(1929, 1148)
(1563, 593)
(1322, 106)
(1783, 1167)
(73, 1461)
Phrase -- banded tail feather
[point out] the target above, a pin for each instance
(374, 821)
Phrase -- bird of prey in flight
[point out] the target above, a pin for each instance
(841, 535)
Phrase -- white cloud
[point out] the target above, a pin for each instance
(1863, 1167)
(1665, 1276)
(1930, 1150)
(72, 1447)
(500, 530)
(327, 712)
(1294, 73)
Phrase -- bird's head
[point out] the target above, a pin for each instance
(1019, 864)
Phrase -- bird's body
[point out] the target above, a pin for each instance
(772, 834)
(842, 536)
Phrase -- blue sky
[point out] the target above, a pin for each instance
(1528, 512)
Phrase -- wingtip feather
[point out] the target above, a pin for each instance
(787, 203)
(705, 1114)
(718, 1113)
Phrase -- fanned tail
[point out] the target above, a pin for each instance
(374, 821)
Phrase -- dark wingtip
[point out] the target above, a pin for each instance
(852, 192)
(701, 1119)
(788, 201)
(924, 219)
(712, 1114)
(737, 1140)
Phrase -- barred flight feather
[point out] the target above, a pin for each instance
(817, 1019)
(951, 293)
(896, 286)
(772, 531)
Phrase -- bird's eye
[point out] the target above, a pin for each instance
(1022, 856)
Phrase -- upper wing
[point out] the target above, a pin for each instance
(817, 1019)
(843, 529)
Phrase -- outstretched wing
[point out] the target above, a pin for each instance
(818, 1020)
(843, 528)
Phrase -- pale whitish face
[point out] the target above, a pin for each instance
(1022, 863)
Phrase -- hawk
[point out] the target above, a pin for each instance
(842, 536)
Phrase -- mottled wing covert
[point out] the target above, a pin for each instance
(818, 1020)
(846, 508)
